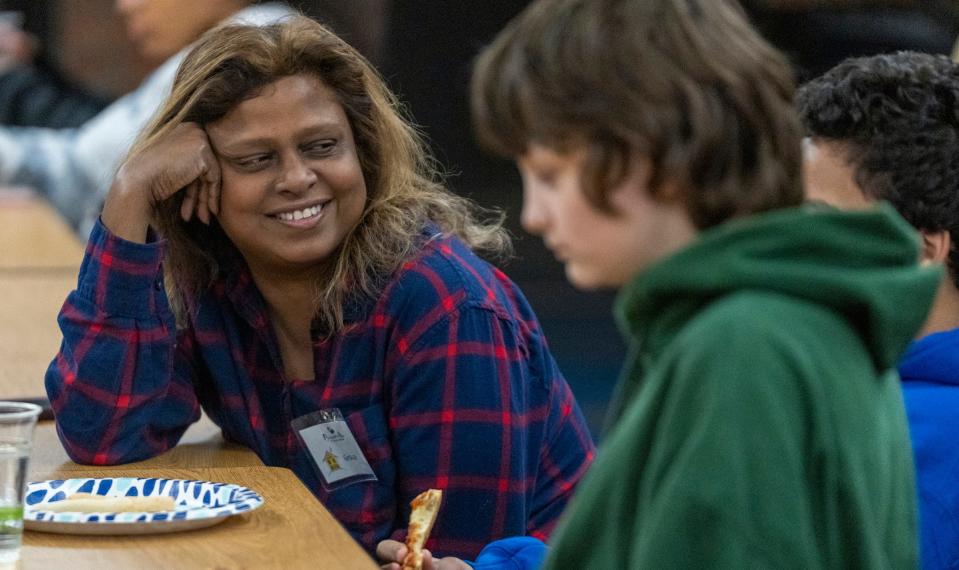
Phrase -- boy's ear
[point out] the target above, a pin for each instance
(669, 191)
(935, 247)
(638, 172)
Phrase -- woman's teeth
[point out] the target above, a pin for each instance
(300, 214)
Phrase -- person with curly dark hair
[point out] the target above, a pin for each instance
(886, 128)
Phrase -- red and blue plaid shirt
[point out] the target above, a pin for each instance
(445, 381)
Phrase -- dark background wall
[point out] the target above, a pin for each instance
(425, 48)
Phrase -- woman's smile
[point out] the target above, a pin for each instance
(301, 217)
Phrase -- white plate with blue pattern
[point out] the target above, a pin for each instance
(198, 504)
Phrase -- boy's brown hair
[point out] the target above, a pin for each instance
(688, 84)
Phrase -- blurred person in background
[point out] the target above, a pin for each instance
(759, 421)
(314, 262)
(886, 128)
(32, 92)
(72, 168)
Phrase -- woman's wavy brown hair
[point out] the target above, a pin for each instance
(687, 84)
(405, 191)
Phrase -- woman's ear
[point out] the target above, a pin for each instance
(935, 247)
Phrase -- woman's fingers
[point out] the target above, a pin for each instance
(212, 178)
(203, 199)
(202, 195)
(206, 200)
(189, 201)
(202, 204)
(183, 162)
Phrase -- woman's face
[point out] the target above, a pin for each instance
(292, 183)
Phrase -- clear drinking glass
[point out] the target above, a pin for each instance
(17, 421)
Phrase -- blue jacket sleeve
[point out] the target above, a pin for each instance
(514, 553)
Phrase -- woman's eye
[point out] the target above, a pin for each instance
(254, 162)
(320, 148)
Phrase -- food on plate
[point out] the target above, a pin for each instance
(425, 507)
(89, 503)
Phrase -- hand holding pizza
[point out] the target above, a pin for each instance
(391, 554)
(412, 555)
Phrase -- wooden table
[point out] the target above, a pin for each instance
(29, 335)
(33, 236)
(39, 259)
(291, 530)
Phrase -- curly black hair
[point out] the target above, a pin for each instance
(897, 117)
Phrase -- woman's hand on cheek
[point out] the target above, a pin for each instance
(181, 160)
(203, 194)
(391, 554)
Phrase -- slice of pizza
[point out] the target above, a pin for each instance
(425, 507)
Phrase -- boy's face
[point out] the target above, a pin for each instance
(598, 249)
(829, 178)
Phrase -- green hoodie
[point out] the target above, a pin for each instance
(761, 421)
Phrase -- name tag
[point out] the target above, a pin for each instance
(336, 456)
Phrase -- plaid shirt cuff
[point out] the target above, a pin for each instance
(121, 278)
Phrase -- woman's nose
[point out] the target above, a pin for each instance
(297, 176)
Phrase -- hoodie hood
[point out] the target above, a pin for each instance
(862, 265)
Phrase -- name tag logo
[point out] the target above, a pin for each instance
(330, 459)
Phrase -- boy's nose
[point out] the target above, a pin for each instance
(532, 217)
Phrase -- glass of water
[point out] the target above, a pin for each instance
(17, 421)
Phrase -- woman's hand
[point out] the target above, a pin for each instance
(181, 160)
(391, 554)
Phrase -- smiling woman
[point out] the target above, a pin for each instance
(294, 184)
(322, 303)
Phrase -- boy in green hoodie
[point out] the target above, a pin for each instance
(759, 421)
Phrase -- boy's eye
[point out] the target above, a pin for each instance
(546, 176)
